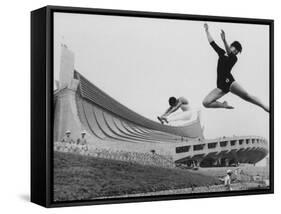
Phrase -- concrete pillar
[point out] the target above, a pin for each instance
(65, 115)
(226, 162)
(66, 67)
(193, 164)
(219, 162)
(198, 162)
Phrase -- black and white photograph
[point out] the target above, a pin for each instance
(146, 107)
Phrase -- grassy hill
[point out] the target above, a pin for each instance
(79, 177)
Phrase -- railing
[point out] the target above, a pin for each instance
(133, 157)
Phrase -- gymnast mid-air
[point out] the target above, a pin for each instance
(225, 83)
(171, 115)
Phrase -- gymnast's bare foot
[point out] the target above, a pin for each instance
(160, 119)
(225, 103)
(164, 119)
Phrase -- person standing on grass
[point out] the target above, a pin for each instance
(67, 138)
(225, 81)
(69, 142)
(227, 180)
(82, 142)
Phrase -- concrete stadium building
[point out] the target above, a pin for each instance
(80, 105)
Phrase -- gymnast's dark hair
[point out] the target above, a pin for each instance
(172, 101)
(237, 46)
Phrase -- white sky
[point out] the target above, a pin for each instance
(141, 62)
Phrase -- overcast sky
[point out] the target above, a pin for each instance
(141, 62)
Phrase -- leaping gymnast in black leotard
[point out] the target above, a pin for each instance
(225, 80)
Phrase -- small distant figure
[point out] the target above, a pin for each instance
(193, 186)
(227, 180)
(67, 138)
(171, 115)
(82, 142)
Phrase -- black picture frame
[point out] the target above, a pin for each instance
(42, 103)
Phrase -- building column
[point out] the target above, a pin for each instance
(226, 162)
(219, 162)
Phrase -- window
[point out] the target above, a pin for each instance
(198, 147)
(233, 142)
(182, 149)
(223, 143)
(212, 145)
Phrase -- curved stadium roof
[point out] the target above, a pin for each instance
(96, 96)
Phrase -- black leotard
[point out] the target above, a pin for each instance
(225, 64)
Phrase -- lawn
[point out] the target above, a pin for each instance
(78, 177)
